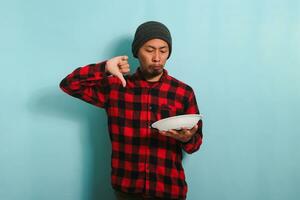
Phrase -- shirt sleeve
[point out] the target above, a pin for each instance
(194, 144)
(88, 83)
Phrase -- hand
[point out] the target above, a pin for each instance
(183, 135)
(118, 66)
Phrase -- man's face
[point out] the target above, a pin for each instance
(152, 57)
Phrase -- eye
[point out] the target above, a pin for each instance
(149, 50)
(164, 51)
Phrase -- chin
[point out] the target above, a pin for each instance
(156, 72)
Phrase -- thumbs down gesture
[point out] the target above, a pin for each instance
(118, 66)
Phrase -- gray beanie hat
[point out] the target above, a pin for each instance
(150, 30)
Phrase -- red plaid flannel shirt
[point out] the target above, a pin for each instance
(143, 161)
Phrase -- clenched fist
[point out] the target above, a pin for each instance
(118, 66)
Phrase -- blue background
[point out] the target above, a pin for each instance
(241, 57)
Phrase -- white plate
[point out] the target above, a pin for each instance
(177, 122)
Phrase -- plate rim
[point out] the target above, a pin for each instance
(176, 116)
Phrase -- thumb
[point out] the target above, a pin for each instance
(194, 129)
(124, 57)
(121, 77)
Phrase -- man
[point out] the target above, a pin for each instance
(146, 163)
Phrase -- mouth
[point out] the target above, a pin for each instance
(157, 67)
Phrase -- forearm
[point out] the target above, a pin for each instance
(82, 77)
(87, 83)
(195, 142)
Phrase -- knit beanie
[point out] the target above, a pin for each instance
(150, 30)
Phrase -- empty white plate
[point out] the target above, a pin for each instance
(177, 122)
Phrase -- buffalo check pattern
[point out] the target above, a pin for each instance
(143, 161)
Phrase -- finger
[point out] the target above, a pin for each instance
(173, 132)
(166, 134)
(124, 58)
(162, 132)
(121, 77)
(194, 129)
(186, 138)
(124, 66)
(184, 129)
(125, 71)
(122, 62)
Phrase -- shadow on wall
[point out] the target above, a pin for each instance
(93, 135)
(121, 47)
(96, 147)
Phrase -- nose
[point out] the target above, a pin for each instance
(156, 56)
